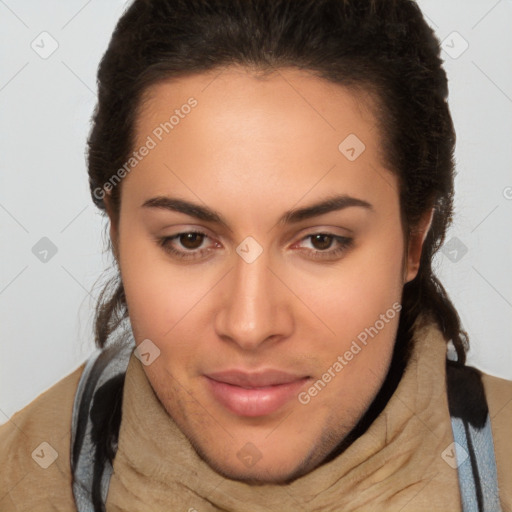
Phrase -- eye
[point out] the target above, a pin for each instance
(191, 240)
(325, 245)
(187, 245)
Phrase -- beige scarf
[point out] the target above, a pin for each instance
(396, 465)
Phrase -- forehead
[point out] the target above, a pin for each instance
(249, 135)
(295, 101)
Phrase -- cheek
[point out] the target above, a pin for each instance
(158, 294)
(365, 284)
(360, 304)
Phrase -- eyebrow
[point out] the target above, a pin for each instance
(331, 204)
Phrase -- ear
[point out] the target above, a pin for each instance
(113, 218)
(416, 241)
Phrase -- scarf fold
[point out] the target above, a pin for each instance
(398, 464)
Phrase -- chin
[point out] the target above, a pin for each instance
(256, 475)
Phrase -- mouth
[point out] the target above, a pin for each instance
(254, 395)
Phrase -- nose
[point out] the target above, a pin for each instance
(255, 308)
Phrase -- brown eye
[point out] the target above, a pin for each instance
(325, 246)
(191, 240)
(188, 246)
(321, 241)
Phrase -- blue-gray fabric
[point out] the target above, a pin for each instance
(466, 437)
(101, 367)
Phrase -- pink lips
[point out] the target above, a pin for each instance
(254, 394)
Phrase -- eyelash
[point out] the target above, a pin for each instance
(329, 254)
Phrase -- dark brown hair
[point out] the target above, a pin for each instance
(383, 47)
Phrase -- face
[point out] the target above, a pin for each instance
(262, 254)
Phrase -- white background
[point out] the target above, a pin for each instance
(46, 308)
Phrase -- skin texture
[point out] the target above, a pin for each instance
(252, 149)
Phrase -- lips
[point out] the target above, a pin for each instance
(254, 394)
(256, 379)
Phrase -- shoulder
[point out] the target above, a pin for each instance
(35, 451)
(499, 399)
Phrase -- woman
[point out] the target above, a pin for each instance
(278, 176)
